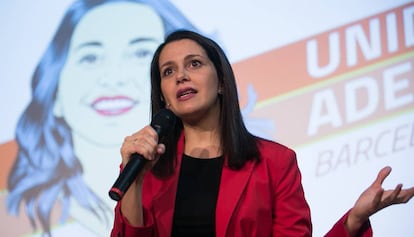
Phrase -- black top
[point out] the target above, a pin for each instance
(197, 191)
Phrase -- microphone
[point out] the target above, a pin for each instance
(162, 122)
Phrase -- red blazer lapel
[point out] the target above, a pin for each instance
(164, 201)
(232, 185)
(164, 207)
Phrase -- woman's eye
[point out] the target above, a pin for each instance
(195, 63)
(88, 59)
(167, 72)
(143, 54)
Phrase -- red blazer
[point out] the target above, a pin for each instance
(262, 199)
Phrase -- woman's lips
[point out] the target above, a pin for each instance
(113, 105)
(185, 94)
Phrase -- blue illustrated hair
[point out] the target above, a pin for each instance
(46, 171)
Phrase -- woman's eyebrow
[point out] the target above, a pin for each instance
(143, 39)
(87, 44)
(99, 44)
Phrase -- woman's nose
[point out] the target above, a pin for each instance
(114, 76)
(182, 76)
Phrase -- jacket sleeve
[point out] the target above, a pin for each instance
(339, 230)
(122, 228)
(291, 212)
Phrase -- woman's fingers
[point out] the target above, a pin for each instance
(143, 142)
(384, 172)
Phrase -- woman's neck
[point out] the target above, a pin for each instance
(202, 142)
(100, 165)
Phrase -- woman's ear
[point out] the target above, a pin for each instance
(220, 90)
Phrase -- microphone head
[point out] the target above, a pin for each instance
(163, 122)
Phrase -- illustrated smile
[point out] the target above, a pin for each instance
(113, 106)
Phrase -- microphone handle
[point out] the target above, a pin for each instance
(163, 123)
(127, 176)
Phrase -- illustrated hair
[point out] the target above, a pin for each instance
(46, 171)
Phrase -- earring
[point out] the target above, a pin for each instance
(220, 92)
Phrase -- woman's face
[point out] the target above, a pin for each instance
(189, 80)
(104, 88)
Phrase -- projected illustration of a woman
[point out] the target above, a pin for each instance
(90, 88)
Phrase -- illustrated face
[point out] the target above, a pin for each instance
(189, 79)
(104, 88)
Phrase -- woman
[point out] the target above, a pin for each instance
(210, 176)
(85, 98)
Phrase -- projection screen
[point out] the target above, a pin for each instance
(333, 80)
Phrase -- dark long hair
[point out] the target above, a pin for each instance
(46, 167)
(239, 145)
